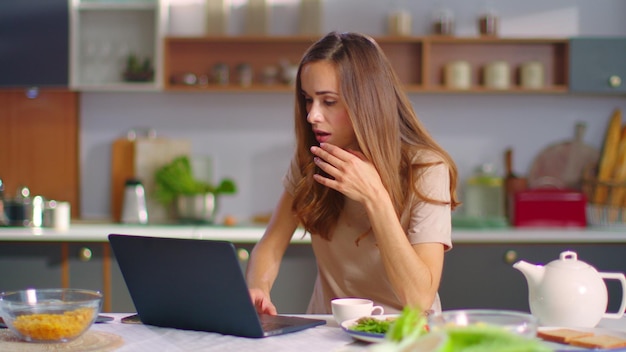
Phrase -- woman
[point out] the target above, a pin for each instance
(367, 181)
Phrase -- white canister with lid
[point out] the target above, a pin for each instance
(399, 23)
(497, 75)
(458, 75)
(57, 215)
(531, 75)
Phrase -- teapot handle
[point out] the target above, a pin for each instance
(622, 279)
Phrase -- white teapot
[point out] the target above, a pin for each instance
(568, 292)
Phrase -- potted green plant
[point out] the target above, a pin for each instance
(137, 70)
(193, 200)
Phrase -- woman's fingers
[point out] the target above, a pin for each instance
(333, 155)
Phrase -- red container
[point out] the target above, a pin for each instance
(549, 208)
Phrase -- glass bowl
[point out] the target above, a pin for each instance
(50, 315)
(519, 323)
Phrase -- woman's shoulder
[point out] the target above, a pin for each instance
(426, 157)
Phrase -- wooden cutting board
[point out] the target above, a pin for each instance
(139, 158)
(561, 165)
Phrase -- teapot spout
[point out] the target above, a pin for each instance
(533, 273)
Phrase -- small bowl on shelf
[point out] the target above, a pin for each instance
(50, 315)
(519, 323)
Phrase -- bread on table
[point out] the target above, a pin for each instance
(581, 338)
(562, 335)
(599, 341)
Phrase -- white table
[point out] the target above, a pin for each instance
(138, 338)
(327, 338)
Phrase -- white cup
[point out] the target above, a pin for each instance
(353, 308)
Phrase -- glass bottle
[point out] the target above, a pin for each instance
(488, 21)
(443, 22)
(399, 20)
(484, 194)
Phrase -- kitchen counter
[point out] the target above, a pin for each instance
(250, 234)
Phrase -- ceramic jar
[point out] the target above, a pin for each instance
(531, 75)
(497, 75)
(458, 75)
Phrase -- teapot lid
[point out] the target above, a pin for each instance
(569, 260)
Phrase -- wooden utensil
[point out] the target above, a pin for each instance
(561, 165)
(512, 183)
(609, 157)
(618, 198)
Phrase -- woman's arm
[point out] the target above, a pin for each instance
(414, 271)
(267, 254)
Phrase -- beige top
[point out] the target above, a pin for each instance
(348, 270)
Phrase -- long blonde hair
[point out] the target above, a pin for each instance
(387, 129)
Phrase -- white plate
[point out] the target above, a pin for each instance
(598, 331)
(365, 336)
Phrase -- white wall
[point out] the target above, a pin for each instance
(249, 136)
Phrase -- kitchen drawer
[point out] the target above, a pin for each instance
(597, 65)
(30, 265)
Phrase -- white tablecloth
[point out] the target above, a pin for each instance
(327, 338)
(139, 338)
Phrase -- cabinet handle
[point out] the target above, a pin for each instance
(32, 93)
(84, 254)
(615, 81)
(510, 256)
(243, 255)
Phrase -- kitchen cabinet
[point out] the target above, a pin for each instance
(57, 264)
(86, 264)
(481, 275)
(30, 265)
(418, 61)
(294, 285)
(103, 35)
(291, 292)
(39, 143)
(34, 36)
(597, 65)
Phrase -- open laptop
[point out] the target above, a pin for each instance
(194, 285)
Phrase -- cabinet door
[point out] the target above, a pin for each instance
(597, 65)
(103, 36)
(293, 286)
(482, 276)
(39, 143)
(86, 266)
(30, 265)
(121, 302)
(34, 36)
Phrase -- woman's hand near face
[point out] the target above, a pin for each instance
(262, 302)
(351, 174)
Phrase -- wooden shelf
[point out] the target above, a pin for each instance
(478, 52)
(418, 61)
